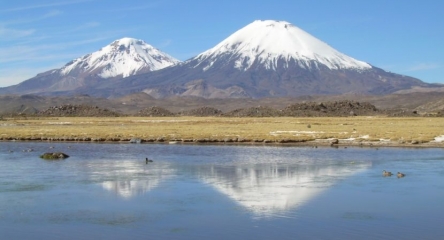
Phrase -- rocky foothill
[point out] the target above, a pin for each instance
(154, 112)
(259, 111)
(330, 109)
(202, 112)
(77, 111)
(343, 108)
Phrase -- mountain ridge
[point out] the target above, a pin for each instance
(264, 59)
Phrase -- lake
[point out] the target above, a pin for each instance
(107, 191)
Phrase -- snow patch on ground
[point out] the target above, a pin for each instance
(158, 121)
(295, 133)
(59, 123)
(439, 139)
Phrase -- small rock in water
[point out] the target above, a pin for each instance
(135, 140)
(54, 156)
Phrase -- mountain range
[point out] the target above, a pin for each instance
(263, 59)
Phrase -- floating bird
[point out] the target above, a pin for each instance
(400, 175)
(148, 160)
(386, 174)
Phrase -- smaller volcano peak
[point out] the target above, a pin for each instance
(123, 57)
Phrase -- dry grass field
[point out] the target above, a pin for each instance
(349, 130)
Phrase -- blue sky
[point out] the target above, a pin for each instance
(405, 37)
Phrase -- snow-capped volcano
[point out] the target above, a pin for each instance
(263, 59)
(123, 57)
(267, 42)
(115, 62)
(270, 59)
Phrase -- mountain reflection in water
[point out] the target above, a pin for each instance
(129, 178)
(106, 191)
(266, 190)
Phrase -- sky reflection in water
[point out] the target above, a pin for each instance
(241, 192)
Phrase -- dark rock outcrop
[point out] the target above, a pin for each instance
(154, 112)
(330, 109)
(54, 156)
(259, 111)
(69, 110)
(202, 112)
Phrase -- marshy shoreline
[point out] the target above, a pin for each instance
(360, 131)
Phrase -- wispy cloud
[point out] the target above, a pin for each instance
(138, 8)
(47, 5)
(12, 76)
(11, 34)
(8, 33)
(424, 66)
(165, 43)
(29, 53)
(50, 14)
(21, 62)
(82, 27)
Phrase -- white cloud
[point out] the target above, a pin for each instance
(19, 63)
(165, 43)
(424, 66)
(52, 13)
(7, 34)
(85, 26)
(19, 21)
(35, 6)
(30, 53)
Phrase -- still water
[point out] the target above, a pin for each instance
(106, 191)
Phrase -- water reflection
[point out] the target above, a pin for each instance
(267, 190)
(129, 178)
(130, 188)
(93, 193)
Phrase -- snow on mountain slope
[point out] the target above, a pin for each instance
(269, 41)
(123, 57)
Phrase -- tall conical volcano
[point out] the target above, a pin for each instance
(268, 42)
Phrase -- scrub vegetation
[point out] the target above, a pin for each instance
(349, 130)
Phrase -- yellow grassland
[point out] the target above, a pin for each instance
(350, 130)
